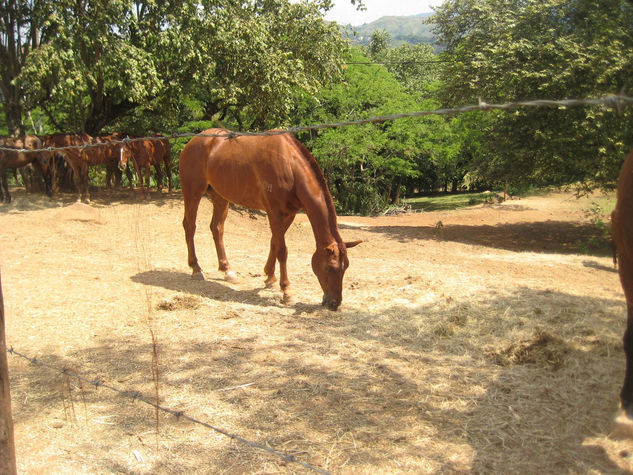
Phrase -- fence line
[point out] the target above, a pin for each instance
(137, 396)
(616, 101)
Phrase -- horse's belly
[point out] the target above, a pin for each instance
(245, 193)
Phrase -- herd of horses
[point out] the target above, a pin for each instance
(277, 174)
(63, 160)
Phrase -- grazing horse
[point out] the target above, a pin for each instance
(18, 159)
(145, 153)
(274, 173)
(622, 229)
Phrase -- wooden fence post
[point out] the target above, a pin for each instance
(7, 444)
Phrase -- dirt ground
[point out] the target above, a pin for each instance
(479, 340)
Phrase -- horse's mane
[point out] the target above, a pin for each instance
(318, 173)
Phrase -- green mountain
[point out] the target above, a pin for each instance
(412, 29)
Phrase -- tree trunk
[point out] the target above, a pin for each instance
(13, 112)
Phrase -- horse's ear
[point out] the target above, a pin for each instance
(352, 244)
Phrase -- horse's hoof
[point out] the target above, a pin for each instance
(270, 281)
(624, 417)
(197, 275)
(288, 300)
(231, 277)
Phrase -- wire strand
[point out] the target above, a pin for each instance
(615, 101)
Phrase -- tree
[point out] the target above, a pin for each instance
(370, 166)
(89, 74)
(505, 51)
(22, 29)
(378, 44)
(104, 60)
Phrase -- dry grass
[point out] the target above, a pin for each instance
(484, 345)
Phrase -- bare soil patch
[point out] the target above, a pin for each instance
(478, 340)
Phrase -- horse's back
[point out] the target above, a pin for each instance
(252, 171)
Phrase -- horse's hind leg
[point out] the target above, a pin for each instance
(4, 185)
(159, 176)
(269, 268)
(220, 211)
(626, 395)
(192, 200)
(625, 269)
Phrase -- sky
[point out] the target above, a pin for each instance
(345, 13)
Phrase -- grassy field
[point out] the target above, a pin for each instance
(446, 201)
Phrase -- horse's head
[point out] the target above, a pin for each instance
(125, 154)
(329, 264)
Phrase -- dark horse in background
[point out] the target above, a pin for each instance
(622, 229)
(276, 174)
(19, 156)
(73, 157)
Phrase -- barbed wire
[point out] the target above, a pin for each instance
(137, 396)
(616, 101)
(399, 63)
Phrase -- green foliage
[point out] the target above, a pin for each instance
(369, 166)
(599, 215)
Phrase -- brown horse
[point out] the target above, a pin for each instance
(145, 153)
(273, 173)
(18, 159)
(113, 172)
(74, 157)
(622, 228)
(104, 151)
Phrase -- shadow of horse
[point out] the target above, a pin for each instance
(217, 289)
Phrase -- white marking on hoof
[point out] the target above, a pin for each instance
(270, 281)
(230, 276)
(197, 275)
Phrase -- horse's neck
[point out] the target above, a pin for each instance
(319, 208)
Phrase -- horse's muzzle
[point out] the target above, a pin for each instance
(330, 302)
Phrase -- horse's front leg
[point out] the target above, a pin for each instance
(269, 268)
(279, 224)
(147, 177)
(84, 183)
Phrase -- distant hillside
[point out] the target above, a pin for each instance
(403, 29)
